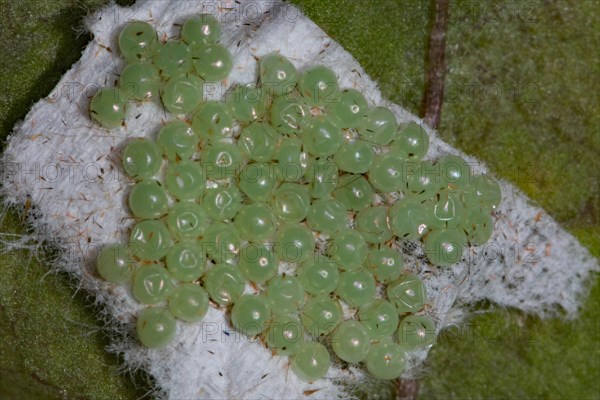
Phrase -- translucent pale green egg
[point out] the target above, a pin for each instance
(285, 294)
(356, 288)
(148, 200)
(201, 30)
(222, 242)
(478, 226)
(221, 161)
(257, 262)
(446, 210)
(294, 243)
(292, 162)
(355, 156)
(173, 59)
(411, 143)
(354, 192)
(290, 202)
(186, 261)
(289, 115)
(379, 317)
(182, 94)
(327, 216)
(379, 126)
(248, 103)
(224, 284)
(348, 248)
(185, 180)
(250, 314)
(213, 121)
(277, 74)
(408, 219)
(311, 361)
(115, 264)
(388, 173)
(108, 107)
(444, 247)
(140, 81)
(321, 315)
(150, 240)
(284, 335)
(257, 181)
(257, 141)
(483, 192)
(407, 294)
(416, 331)
(351, 341)
(222, 203)
(318, 276)
(373, 224)
(141, 158)
(187, 219)
(323, 177)
(212, 62)
(152, 284)
(255, 222)
(318, 85)
(351, 109)
(455, 171)
(189, 302)
(385, 263)
(156, 327)
(424, 181)
(137, 41)
(386, 359)
(177, 140)
(322, 137)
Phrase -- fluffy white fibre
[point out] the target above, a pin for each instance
(70, 169)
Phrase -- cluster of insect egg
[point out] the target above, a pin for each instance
(255, 179)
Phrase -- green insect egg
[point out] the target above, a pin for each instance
(411, 143)
(386, 359)
(250, 314)
(185, 180)
(319, 276)
(373, 224)
(284, 335)
(455, 171)
(200, 30)
(222, 242)
(189, 302)
(248, 103)
(323, 177)
(416, 331)
(408, 219)
(318, 85)
(351, 109)
(152, 284)
(187, 219)
(292, 160)
(355, 156)
(150, 240)
(348, 248)
(173, 59)
(478, 225)
(285, 294)
(186, 261)
(177, 141)
(322, 137)
(425, 181)
(257, 262)
(141, 158)
(356, 288)
(213, 121)
(385, 263)
(277, 74)
(446, 210)
(388, 173)
(182, 94)
(212, 62)
(289, 115)
(255, 222)
(140, 81)
(311, 361)
(222, 203)
(378, 127)
(483, 192)
(445, 247)
(108, 107)
(290, 202)
(294, 243)
(321, 315)
(156, 327)
(148, 200)
(137, 41)
(115, 264)
(407, 294)
(379, 317)
(354, 192)
(257, 142)
(327, 216)
(257, 181)
(222, 161)
(351, 341)
(224, 284)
